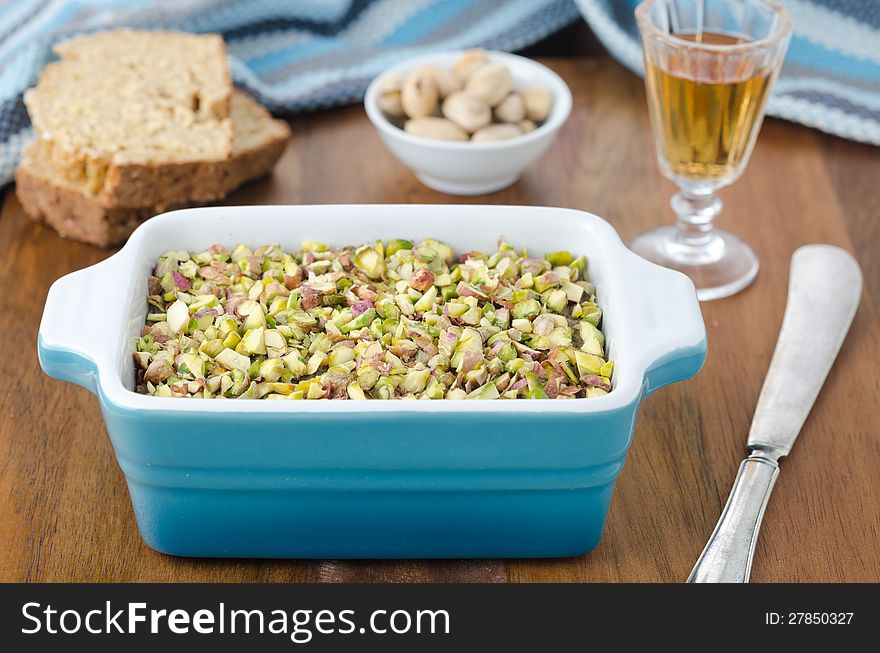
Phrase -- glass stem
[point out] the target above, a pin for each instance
(696, 214)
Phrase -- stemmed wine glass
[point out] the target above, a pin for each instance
(709, 68)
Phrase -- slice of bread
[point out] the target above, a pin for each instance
(259, 142)
(48, 196)
(137, 117)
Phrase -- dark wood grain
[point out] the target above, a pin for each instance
(64, 509)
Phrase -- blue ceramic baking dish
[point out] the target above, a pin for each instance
(374, 479)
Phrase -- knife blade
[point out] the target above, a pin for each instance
(825, 286)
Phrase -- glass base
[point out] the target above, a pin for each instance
(719, 267)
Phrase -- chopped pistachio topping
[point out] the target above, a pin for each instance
(394, 320)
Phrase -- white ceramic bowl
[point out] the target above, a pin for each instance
(465, 168)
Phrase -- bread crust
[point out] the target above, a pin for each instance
(73, 214)
(76, 214)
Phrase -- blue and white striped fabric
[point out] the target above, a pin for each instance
(831, 76)
(301, 55)
(292, 55)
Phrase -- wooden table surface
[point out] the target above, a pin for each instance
(64, 508)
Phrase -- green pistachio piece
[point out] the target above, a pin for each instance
(470, 340)
(204, 301)
(278, 304)
(435, 390)
(559, 258)
(507, 353)
(271, 369)
(367, 377)
(369, 261)
(340, 355)
(254, 341)
(593, 340)
(158, 371)
(573, 292)
(142, 358)
(557, 301)
(488, 391)
(295, 364)
(394, 246)
(526, 308)
(397, 365)
(558, 337)
(566, 367)
(315, 391)
(523, 325)
(226, 325)
(405, 304)
(355, 391)
(232, 360)
(471, 316)
(449, 292)
(163, 391)
(591, 313)
(232, 340)
(274, 339)
(532, 380)
(456, 309)
(414, 381)
(588, 363)
(315, 362)
(177, 317)
(255, 319)
(240, 252)
(314, 246)
(200, 324)
(426, 302)
(192, 365)
(547, 281)
(254, 369)
(361, 321)
(251, 392)
(444, 250)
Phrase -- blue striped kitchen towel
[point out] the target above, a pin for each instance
(299, 55)
(831, 76)
(292, 55)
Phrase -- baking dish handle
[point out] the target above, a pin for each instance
(674, 331)
(75, 320)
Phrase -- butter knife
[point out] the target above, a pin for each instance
(824, 289)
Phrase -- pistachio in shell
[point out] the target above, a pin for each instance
(491, 82)
(538, 102)
(389, 98)
(467, 110)
(498, 132)
(436, 128)
(447, 83)
(526, 126)
(419, 95)
(512, 109)
(468, 64)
